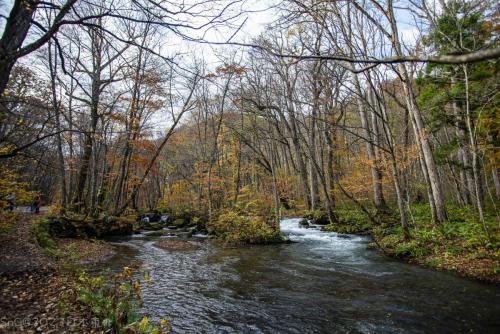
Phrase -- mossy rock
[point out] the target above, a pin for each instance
(152, 227)
(317, 217)
(179, 222)
(159, 233)
(77, 226)
(233, 227)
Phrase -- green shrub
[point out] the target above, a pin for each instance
(7, 220)
(317, 217)
(115, 302)
(189, 216)
(233, 227)
(40, 231)
(412, 248)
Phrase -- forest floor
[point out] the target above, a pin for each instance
(36, 292)
(462, 244)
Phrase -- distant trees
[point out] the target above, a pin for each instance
(326, 109)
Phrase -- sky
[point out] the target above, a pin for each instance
(258, 14)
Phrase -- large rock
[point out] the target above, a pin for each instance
(304, 223)
(76, 226)
(152, 226)
(185, 232)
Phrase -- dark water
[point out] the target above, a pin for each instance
(321, 284)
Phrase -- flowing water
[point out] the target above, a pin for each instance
(321, 283)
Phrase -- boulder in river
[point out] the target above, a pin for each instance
(153, 227)
(186, 232)
(303, 223)
(158, 233)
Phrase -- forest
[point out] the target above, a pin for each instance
(258, 125)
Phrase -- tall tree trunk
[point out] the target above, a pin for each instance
(57, 111)
(466, 177)
(419, 127)
(378, 197)
(478, 185)
(78, 199)
(16, 29)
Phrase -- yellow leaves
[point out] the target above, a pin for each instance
(54, 209)
(137, 285)
(126, 273)
(10, 185)
(231, 69)
(143, 324)
(145, 276)
(179, 195)
(143, 144)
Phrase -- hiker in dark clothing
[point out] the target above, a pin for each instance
(36, 205)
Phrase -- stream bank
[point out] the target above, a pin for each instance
(322, 282)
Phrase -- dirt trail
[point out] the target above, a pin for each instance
(32, 288)
(18, 254)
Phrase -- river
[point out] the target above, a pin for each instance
(321, 283)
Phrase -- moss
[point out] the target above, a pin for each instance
(179, 222)
(460, 244)
(317, 217)
(348, 228)
(411, 248)
(7, 221)
(156, 233)
(233, 227)
(41, 232)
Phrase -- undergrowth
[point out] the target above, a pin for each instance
(113, 301)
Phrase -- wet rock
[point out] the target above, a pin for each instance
(158, 233)
(179, 222)
(153, 227)
(303, 223)
(186, 233)
(176, 244)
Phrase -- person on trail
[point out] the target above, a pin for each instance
(36, 205)
(11, 201)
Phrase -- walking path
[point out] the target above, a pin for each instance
(33, 288)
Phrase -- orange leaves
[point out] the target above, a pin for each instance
(231, 69)
(117, 117)
(143, 145)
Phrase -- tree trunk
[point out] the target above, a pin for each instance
(15, 31)
(57, 110)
